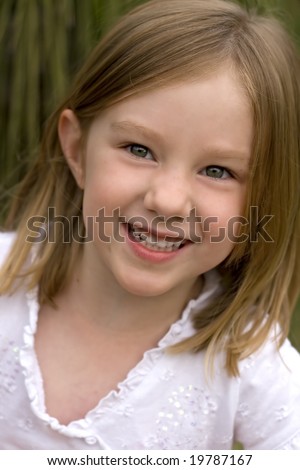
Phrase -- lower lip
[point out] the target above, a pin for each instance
(150, 255)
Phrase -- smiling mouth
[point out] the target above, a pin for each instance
(152, 242)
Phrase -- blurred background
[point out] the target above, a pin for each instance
(42, 44)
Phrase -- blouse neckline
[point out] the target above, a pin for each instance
(181, 329)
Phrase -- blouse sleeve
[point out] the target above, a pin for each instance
(268, 414)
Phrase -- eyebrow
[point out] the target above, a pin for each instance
(211, 152)
(228, 154)
(125, 126)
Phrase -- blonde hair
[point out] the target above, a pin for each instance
(156, 44)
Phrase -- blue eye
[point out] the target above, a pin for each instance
(216, 172)
(140, 151)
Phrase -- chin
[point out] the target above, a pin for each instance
(144, 288)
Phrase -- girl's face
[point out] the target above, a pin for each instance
(173, 162)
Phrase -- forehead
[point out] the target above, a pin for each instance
(213, 109)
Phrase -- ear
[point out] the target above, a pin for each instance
(70, 134)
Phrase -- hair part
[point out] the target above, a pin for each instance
(155, 45)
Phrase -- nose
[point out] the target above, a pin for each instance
(169, 194)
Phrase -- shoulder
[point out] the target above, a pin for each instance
(6, 242)
(14, 305)
(7, 301)
(272, 364)
(268, 414)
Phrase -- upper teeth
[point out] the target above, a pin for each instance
(157, 243)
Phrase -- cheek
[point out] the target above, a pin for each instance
(101, 191)
(222, 218)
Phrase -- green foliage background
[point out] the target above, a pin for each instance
(42, 44)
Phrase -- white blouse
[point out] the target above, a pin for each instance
(165, 402)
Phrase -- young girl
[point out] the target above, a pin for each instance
(150, 259)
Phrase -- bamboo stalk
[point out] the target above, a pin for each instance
(18, 89)
(32, 62)
(5, 54)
